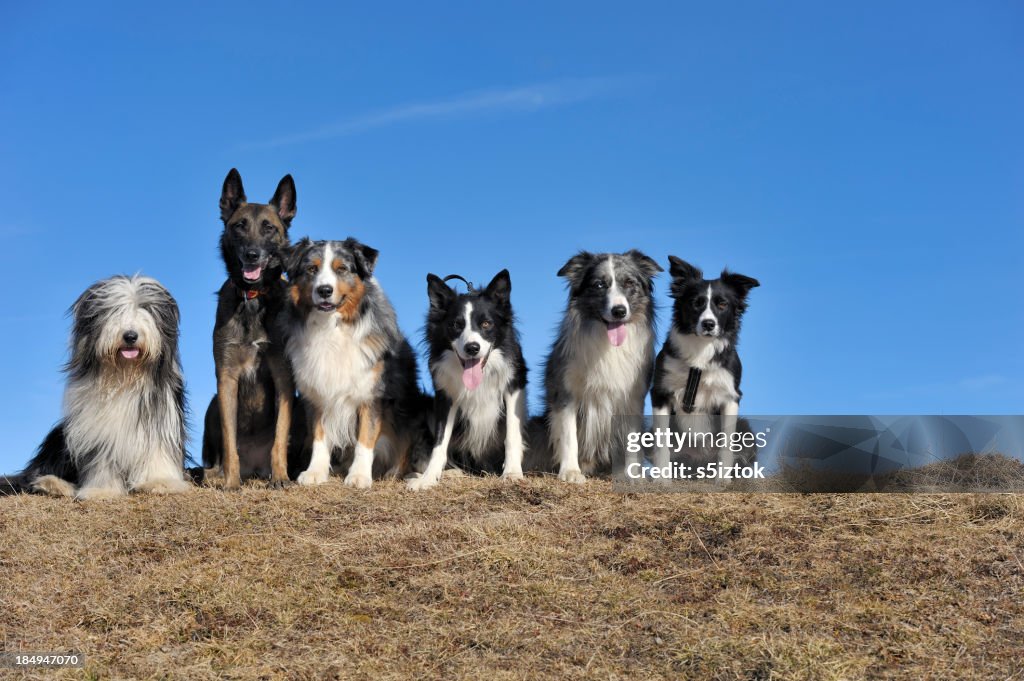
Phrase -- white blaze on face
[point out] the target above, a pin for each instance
(325, 277)
(707, 314)
(617, 329)
(472, 365)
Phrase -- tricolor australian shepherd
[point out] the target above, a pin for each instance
(599, 369)
(124, 404)
(697, 373)
(353, 367)
(248, 421)
(479, 380)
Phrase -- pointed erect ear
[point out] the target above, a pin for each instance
(576, 265)
(231, 196)
(366, 257)
(742, 284)
(682, 270)
(294, 255)
(500, 288)
(440, 293)
(645, 262)
(284, 199)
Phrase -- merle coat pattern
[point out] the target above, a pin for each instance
(599, 369)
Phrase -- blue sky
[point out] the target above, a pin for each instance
(865, 161)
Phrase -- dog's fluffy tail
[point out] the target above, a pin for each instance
(14, 484)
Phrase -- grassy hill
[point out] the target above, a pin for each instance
(482, 579)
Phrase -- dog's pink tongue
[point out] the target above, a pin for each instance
(617, 333)
(252, 273)
(472, 373)
(129, 353)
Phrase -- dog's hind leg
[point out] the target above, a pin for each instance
(227, 396)
(285, 392)
(360, 473)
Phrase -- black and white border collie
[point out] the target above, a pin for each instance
(352, 365)
(697, 373)
(124, 404)
(479, 380)
(599, 370)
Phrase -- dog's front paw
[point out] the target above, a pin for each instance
(512, 474)
(358, 481)
(164, 486)
(423, 482)
(313, 477)
(53, 486)
(99, 493)
(573, 475)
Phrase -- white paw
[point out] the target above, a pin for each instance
(423, 482)
(99, 493)
(164, 486)
(572, 475)
(512, 474)
(358, 481)
(54, 486)
(311, 477)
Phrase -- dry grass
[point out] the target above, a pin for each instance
(481, 579)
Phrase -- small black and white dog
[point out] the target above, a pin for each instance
(124, 404)
(599, 370)
(354, 369)
(697, 373)
(479, 380)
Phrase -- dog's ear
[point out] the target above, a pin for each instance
(232, 195)
(682, 270)
(740, 283)
(576, 265)
(284, 199)
(500, 288)
(439, 293)
(366, 257)
(646, 263)
(294, 255)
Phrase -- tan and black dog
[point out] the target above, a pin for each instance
(249, 422)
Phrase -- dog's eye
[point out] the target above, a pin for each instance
(721, 304)
(311, 269)
(699, 303)
(598, 284)
(486, 324)
(341, 269)
(628, 283)
(266, 227)
(240, 226)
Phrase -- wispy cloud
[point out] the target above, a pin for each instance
(525, 99)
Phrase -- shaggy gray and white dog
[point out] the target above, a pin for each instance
(599, 369)
(124, 404)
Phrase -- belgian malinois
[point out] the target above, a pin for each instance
(249, 421)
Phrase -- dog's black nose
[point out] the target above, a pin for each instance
(471, 349)
(708, 325)
(325, 291)
(619, 311)
(130, 337)
(252, 255)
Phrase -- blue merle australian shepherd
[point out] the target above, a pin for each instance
(479, 376)
(354, 369)
(599, 369)
(124, 402)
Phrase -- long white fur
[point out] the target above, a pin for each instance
(116, 446)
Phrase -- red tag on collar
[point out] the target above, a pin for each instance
(251, 293)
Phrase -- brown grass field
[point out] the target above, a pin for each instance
(480, 579)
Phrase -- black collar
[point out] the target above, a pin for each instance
(250, 293)
(690, 394)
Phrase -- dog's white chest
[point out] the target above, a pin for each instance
(601, 370)
(482, 408)
(717, 385)
(331, 362)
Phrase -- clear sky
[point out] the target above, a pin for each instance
(865, 161)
